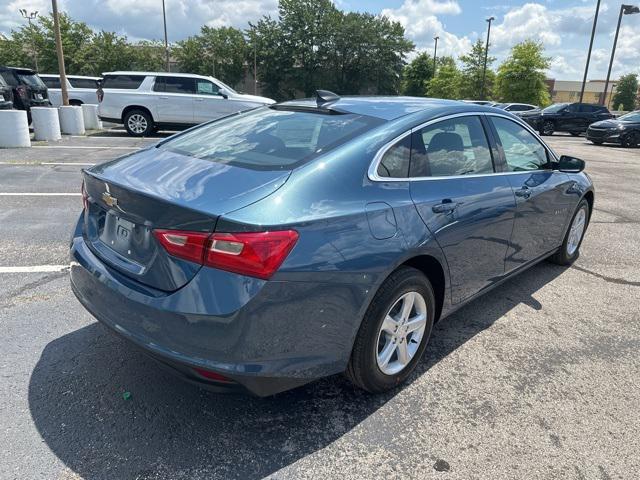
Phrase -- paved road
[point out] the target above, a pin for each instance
(538, 379)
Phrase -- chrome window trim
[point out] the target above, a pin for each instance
(372, 172)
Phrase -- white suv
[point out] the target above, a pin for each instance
(80, 89)
(147, 101)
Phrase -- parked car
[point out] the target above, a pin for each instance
(624, 130)
(144, 102)
(79, 88)
(516, 108)
(573, 118)
(6, 95)
(313, 237)
(27, 88)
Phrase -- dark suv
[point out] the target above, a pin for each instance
(573, 118)
(28, 89)
(6, 96)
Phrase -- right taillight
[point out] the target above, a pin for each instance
(22, 91)
(256, 254)
(100, 94)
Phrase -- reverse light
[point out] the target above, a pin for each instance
(255, 254)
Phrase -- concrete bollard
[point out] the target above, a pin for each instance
(90, 115)
(71, 120)
(46, 125)
(14, 129)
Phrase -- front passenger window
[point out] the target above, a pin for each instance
(205, 87)
(521, 149)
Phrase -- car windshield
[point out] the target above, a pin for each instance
(555, 108)
(227, 87)
(630, 117)
(499, 105)
(270, 138)
(31, 79)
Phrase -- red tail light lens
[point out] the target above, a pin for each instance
(186, 245)
(212, 375)
(22, 91)
(100, 94)
(256, 254)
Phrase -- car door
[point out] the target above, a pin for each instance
(174, 99)
(588, 115)
(467, 206)
(542, 194)
(570, 118)
(209, 103)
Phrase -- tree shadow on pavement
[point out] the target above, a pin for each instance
(170, 429)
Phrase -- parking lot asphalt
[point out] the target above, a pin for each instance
(537, 379)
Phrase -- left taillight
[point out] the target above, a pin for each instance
(255, 254)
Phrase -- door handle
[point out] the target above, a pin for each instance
(447, 206)
(199, 99)
(164, 98)
(524, 192)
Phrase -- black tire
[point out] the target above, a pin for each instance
(575, 134)
(75, 103)
(138, 123)
(363, 370)
(631, 140)
(564, 256)
(547, 128)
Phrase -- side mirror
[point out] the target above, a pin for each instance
(224, 93)
(569, 164)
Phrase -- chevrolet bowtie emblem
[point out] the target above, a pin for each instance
(109, 200)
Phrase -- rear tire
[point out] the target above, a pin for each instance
(597, 142)
(570, 249)
(631, 140)
(388, 333)
(138, 123)
(547, 128)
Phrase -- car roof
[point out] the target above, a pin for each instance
(55, 75)
(157, 74)
(386, 108)
(28, 71)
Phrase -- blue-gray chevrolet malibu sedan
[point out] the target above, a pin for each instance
(308, 238)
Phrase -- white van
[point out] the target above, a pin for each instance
(80, 89)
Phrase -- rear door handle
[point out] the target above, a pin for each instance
(447, 206)
(199, 99)
(524, 192)
(164, 98)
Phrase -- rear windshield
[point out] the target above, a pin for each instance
(128, 82)
(30, 79)
(270, 139)
(83, 83)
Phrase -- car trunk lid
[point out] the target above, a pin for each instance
(127, 199)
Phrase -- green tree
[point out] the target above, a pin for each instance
(471, 73)
(446, 82)
(521, 78)
(417, 74)
(626, 92)
(106, 52)
(148, 55)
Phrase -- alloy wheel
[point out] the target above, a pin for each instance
(576, 231)
(137, 123)
(401, 333)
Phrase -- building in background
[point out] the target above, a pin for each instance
(569, 91)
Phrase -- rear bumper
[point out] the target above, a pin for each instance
(266, 336)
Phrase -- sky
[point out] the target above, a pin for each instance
(564, 26)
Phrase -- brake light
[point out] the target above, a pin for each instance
(256, 254)
(186, 245)
(208, 374)
(100, 94)
(85, 197)
(22, 91)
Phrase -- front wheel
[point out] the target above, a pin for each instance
(570, 249)
(547, 128)
(138, 123)
(394, 332)
(631, 140)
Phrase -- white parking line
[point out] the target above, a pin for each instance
(38, 194)
(35, 269)
(77, 147)
(46, 163)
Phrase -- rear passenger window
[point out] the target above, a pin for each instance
(453, 147)
(51, 82)
(175, 85)
(83, 83)
(127, 82)
(521, 149)
(395, 161)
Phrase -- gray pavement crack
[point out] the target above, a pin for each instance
(8, 299)
(606, 278)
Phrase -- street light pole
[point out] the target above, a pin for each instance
(586, 68)
(31, 16)
(63, 74)
(435, 55)
(486, 55)
(166, 41)
(624, 10)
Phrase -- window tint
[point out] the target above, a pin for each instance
(51, 82)
(395, 162)
(205, 87)
(83, 83)
(175, 85)
(573, 108)
(9, 78)
(521, 149)
(128, 82)
(30, 79)
(452, 147)
(270, 138)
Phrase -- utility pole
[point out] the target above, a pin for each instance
(624, 10)
(166, 41)
(486, 55)
(586, 68)
(255, 71)
(63, 75)
(29, 17)
(435, 55)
